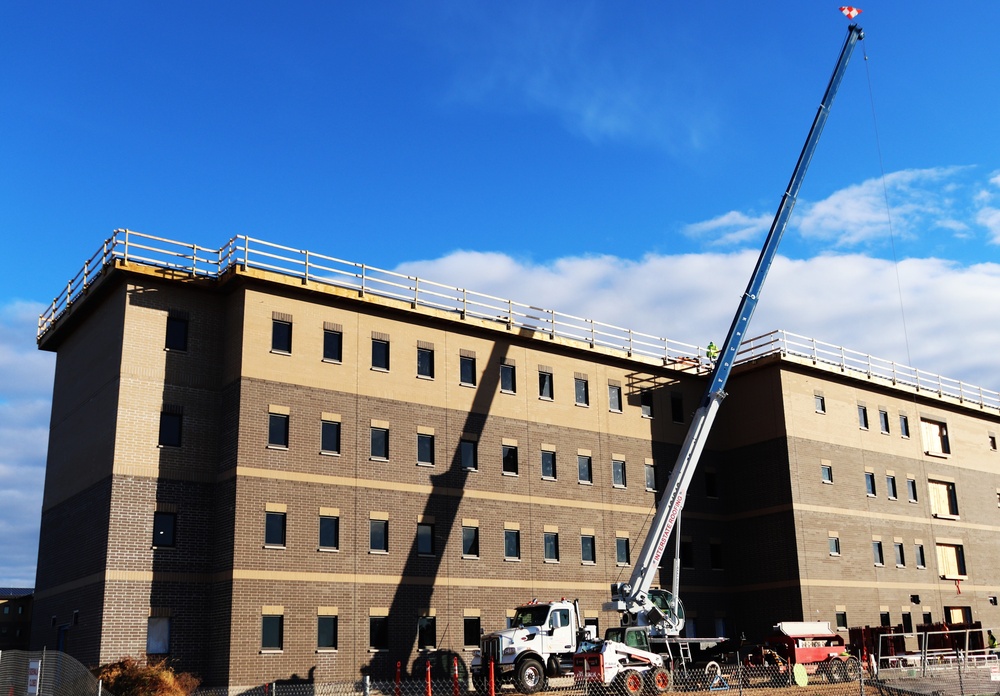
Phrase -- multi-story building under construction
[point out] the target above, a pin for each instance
(270, 464)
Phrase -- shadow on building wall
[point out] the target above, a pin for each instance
(420, 572)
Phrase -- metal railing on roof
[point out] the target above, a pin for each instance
(867, 366)
(247, 252)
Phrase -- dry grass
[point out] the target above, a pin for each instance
(131, 677)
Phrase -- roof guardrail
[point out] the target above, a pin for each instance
(248, 252)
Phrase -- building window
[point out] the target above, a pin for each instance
(877, 555)
(326, 632)
(467, 370)
(512, 544)
(470, 542)
(883, 421)
(378, 632)
(380, 354)
(585, 469)
(425, 362)
(842, 620)
(928, 618)
(333, 345)
(951, 561)
(650, 471)
(468, 454)
(863, 417)
(582, 390)
(277, 430)
(918, 556)
(911, 490)
(281, 336)
(164, 524)
(935, 434)
(884, 619)
(621, 551)
(425, 539)
(272, 632)
(646, 403)
(900, 555)
(826, 473)
(618, 473)
(330, 437)
(329, 532)
(711, 484)
(904, 426)
(378, 536)
(544, 384)
(548, 464)
(819, 403)
(614, 398)
(158, 635)
(890, 487)
(170, 429)
(427, 633)
(508, 378)
(715, 555)
(834, 543)
(943, 498)
(177, 334)
(509, 454)
(274, 528)
(687, 554)
(425, 449)
(676, 407)
(588, 549)
(471, 631)
(993, 442)
(551, 540)
(380, 443)
(870, 484)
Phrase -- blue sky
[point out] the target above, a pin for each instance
(615, 161)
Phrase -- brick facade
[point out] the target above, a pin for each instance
(757, 521)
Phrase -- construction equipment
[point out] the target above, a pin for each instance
(638, 604)
(813, 645)
(534, 647)
(633, 598)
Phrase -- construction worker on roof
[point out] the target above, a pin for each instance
(712, 351)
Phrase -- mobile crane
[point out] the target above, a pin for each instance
(660, 611)
(548, 639)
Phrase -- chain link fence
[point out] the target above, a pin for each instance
(45, 673)
(844, 678)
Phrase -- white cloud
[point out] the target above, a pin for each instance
(541, 61)
(857, 214)
(990, 219)
(848, 300)
(731, 228)
(25, 404)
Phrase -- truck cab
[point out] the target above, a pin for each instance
(539, 643)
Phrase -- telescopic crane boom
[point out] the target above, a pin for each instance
(633, 597)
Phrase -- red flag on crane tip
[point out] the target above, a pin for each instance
(850, 12)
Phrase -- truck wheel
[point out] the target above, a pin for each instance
(529, 676)
(658, 680)
(629, 683)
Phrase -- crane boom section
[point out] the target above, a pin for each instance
(634, 596)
